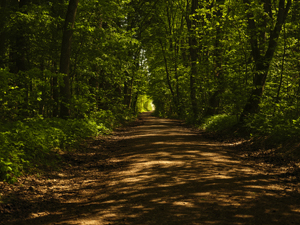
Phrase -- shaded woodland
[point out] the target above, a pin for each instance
(78, 68)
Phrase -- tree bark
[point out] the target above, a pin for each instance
(18, 54)
(3, 33)
(167, 72)
(65, 58)
(215, 97)
(18, 40)
(263, 60)
(191, 24)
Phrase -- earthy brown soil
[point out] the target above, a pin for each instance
(155, 172)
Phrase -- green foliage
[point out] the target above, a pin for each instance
(11, 154)
(144, 103)
(27, 144)
(219, 122)
(193, 61)
(105, 120)
(278, 127)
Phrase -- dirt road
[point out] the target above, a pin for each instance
(157, 173)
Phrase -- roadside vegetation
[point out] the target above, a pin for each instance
(72, 70)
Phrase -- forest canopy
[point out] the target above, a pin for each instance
(73, 69)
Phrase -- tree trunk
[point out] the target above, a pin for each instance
(65, 58)
(215, 97)
(19, 42)
(3, 33)
(55, 96)
(168, 73)
(263, 60)
(193, 55)
(18, 53)
(128, 85)
(135, 101)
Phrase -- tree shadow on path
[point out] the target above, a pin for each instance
(168, 174)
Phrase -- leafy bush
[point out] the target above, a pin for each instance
(11, 156)
(278, 126)
(28, 143)
(219, 122)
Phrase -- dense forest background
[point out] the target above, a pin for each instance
(75, 69)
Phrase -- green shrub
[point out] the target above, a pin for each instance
(219, 122)
(11, 156)
(28, 143)
(278, 126)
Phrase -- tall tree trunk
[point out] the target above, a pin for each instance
(128, 85)
(214, 99)
(55, 91)
(3, 33)
(263, 60)
(193, 54)
(55, 64)
(19, 41)
(18, 53)
(168, 73)
(282, 69)
(178, 96)
(134, 102)
(55, 96)
(65, 58)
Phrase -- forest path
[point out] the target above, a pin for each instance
(160, 172)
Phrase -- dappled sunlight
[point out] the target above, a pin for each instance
(167, 174)
(244, 216)
(184, 204)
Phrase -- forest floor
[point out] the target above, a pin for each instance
(157, 171)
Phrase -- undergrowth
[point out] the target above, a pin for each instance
(279, 126)
(30, 143)
(218, 122)
(257, 125)
(265, 131)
